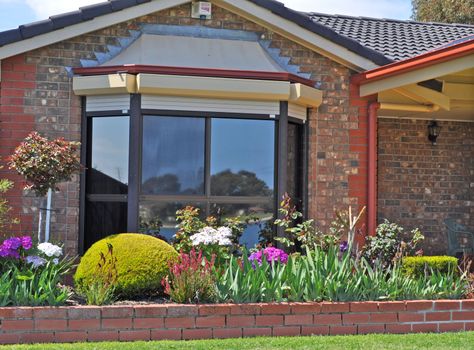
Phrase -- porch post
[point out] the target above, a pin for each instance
(282, 162)
(134, 162)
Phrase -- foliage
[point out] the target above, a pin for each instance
(387, 246)
(305, 232)
(141, 263)
(425, 265)
(214, 236)
(29, 275)
(332, 276)
(45, 163)
(446, 11)
(101, 291)
(5, 220)
(191, 279)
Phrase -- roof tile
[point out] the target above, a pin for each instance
(396, 40)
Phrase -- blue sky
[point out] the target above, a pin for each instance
(16, 12)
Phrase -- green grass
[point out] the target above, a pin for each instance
(445, 341)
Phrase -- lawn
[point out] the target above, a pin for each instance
(443, 341)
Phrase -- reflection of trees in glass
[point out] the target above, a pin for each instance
(167, 184)
(243, 183)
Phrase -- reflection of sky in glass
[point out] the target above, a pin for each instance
(239, 144)
(110, 146)
(174, 145)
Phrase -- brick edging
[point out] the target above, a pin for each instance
(175, 321)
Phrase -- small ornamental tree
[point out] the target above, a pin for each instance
(45, 163)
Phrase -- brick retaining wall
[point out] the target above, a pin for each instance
(172, 321)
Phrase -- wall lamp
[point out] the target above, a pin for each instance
(433, 131)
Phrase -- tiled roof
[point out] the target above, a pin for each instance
(380, 40)
(396, 40)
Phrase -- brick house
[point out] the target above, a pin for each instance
(229, 110)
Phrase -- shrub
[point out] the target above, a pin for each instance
(142, 262)
(419, 266)
(191, 279)
(387, 246)
(45, 163)
(5, 220)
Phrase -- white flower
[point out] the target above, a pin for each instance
(209, 235)
(55, 261)
(50, 250)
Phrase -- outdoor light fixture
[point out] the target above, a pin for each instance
(433, 131)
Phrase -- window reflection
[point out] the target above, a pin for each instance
(258, 217)
(159, 219)
(242, 157)
(108, 163)
(173, 155)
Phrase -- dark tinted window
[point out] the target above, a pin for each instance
(173, 155)
(108, 162)
(242, 157)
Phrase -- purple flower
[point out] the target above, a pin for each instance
(12, 243)
(274, 254)
(271, 254)
(256, 256)
(343, 246)
(35, 260)
(26, 242)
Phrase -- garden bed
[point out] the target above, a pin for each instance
(207, 321)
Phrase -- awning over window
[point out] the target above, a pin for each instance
(183, 51)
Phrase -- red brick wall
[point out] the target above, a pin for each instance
(16, 121)
(336, 150)
(158, 322)
(420, 184)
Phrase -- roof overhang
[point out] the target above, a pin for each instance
(291, 26)
(227, 85)
(436, 85)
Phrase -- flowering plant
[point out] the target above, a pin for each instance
(45, 163)
(15, 247)
(270, 254)
(209, 235)
(191, 279)
(33, 272)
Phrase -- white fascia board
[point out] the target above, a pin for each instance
(87, 27)
(296, 33)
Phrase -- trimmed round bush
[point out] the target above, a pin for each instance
(141, 263)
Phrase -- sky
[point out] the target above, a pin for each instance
(16, 12)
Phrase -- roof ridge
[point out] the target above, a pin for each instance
(406, 21)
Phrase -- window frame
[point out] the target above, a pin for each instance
(134, 196)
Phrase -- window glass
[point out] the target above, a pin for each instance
(295, 162)
(259, 217)
(242, 157)
(108, 164)
(159, 219)
(104, 219)
(173, 155)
